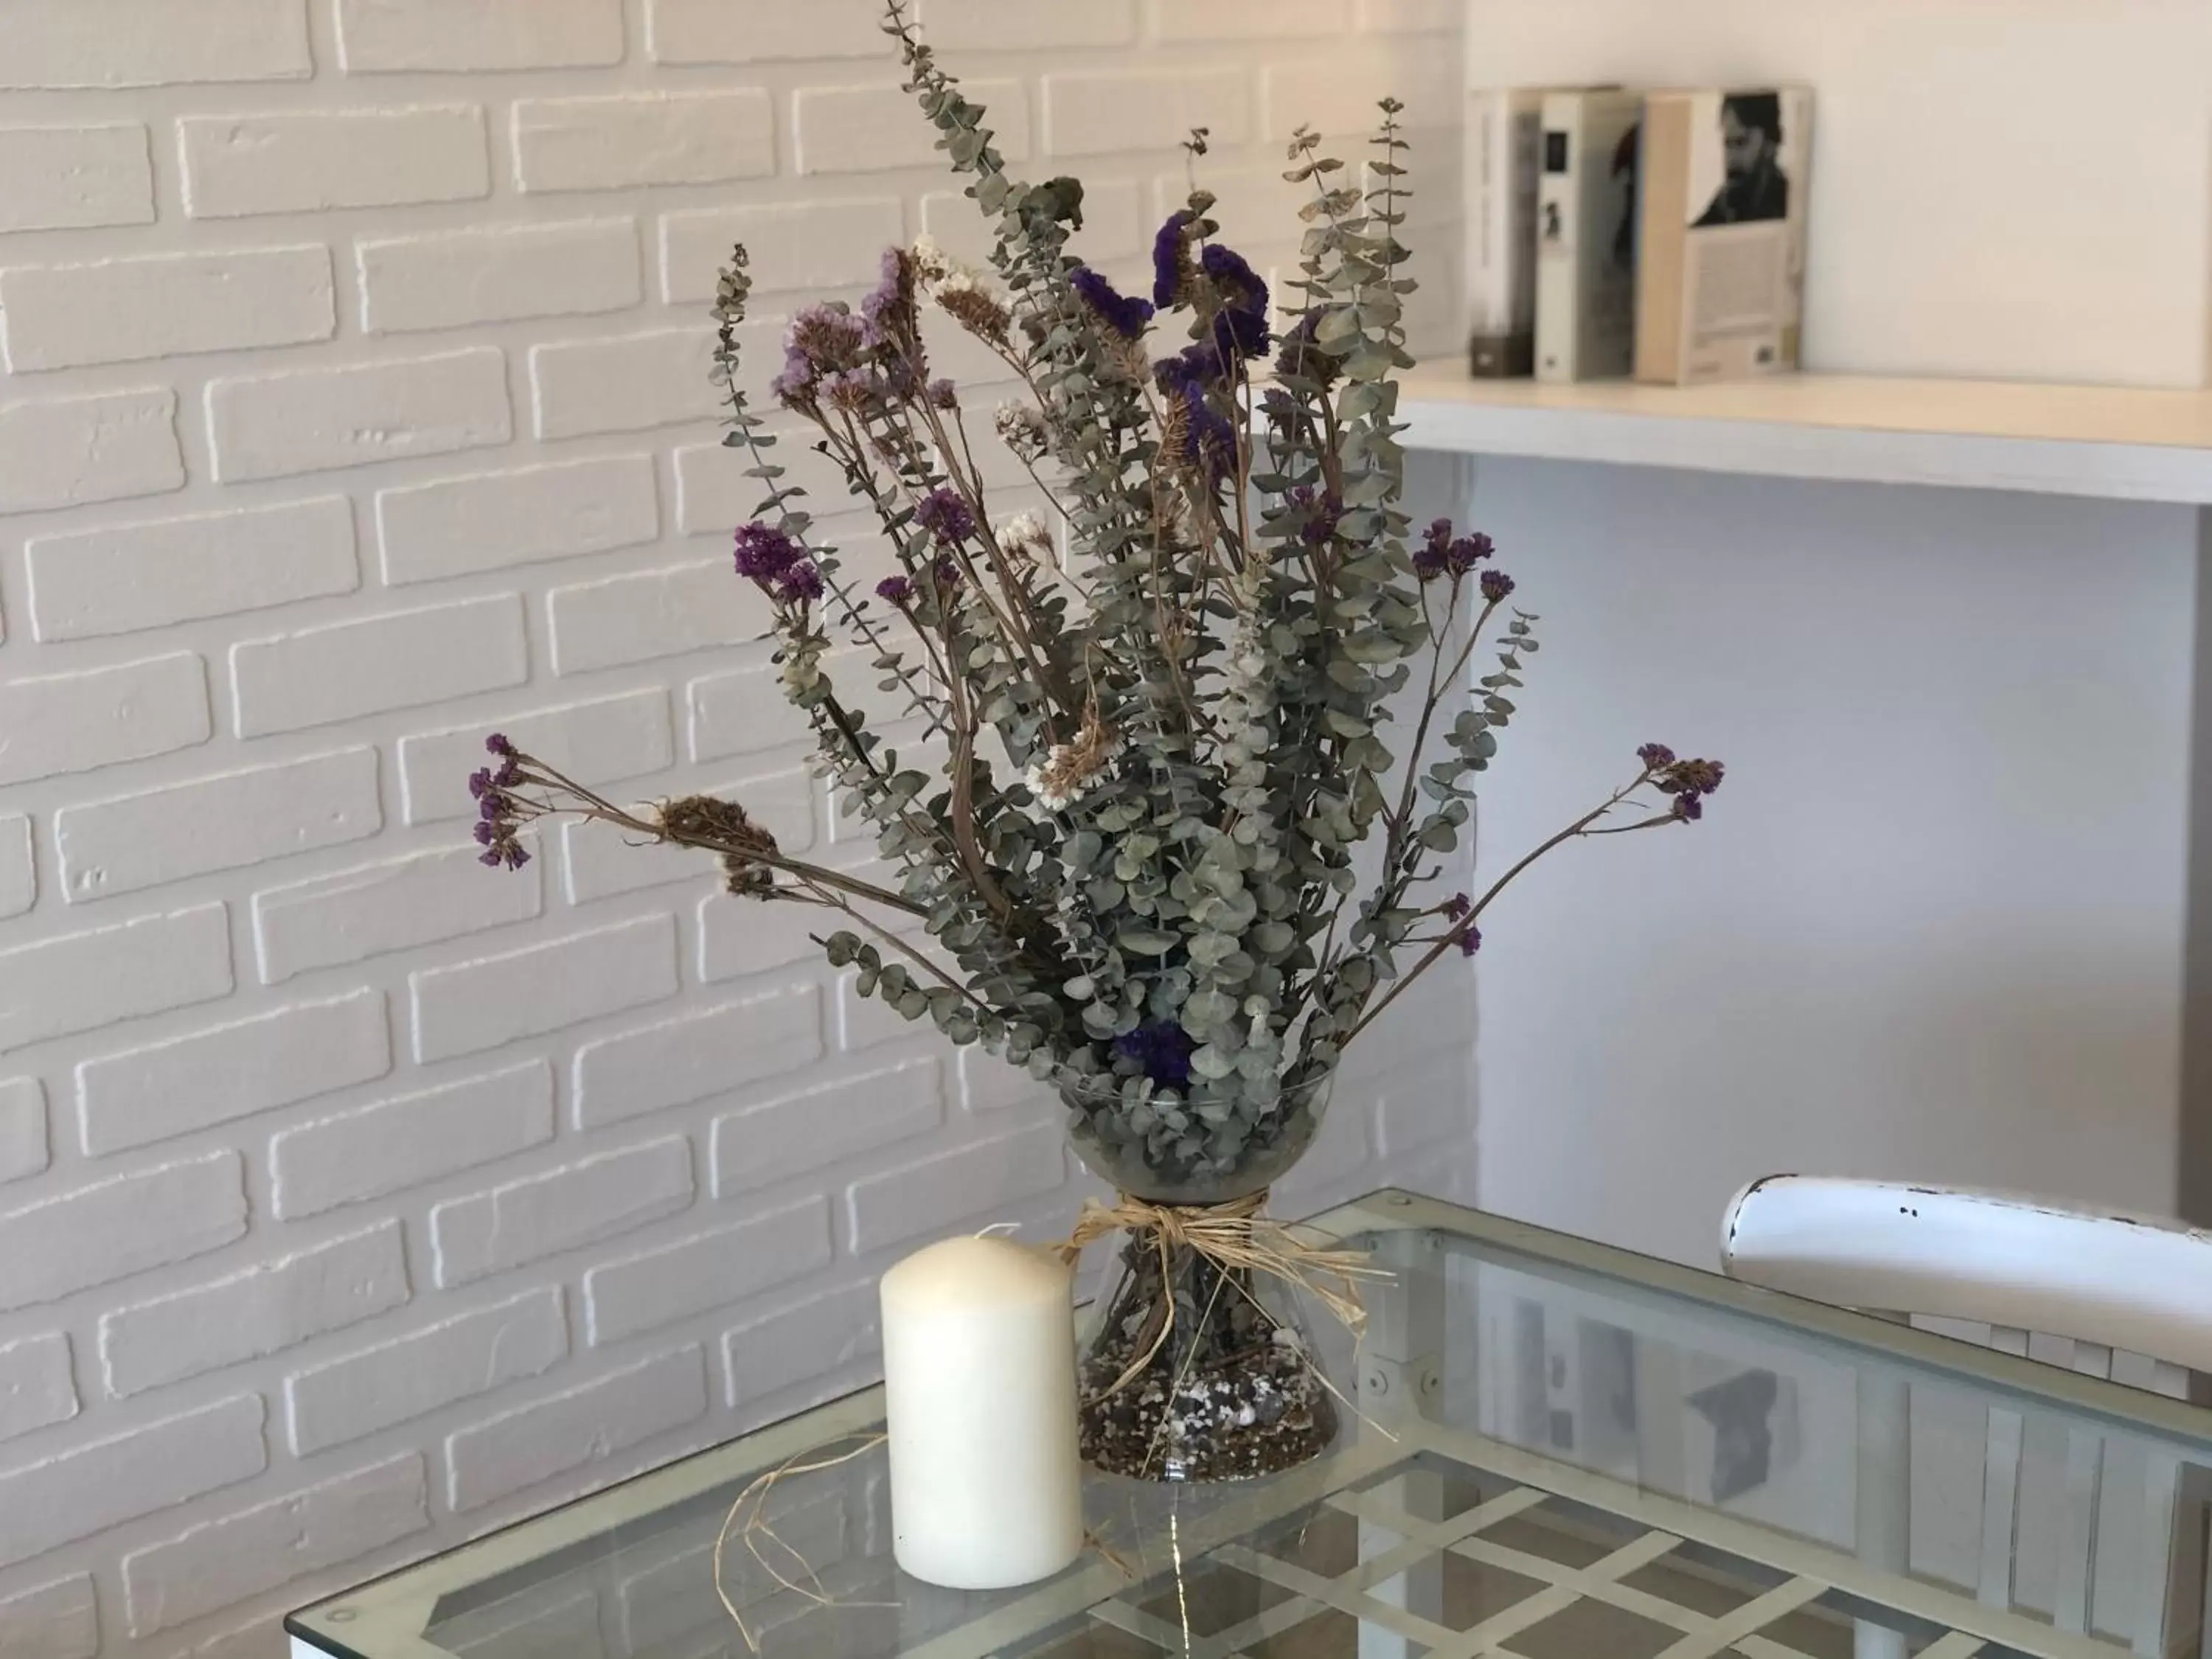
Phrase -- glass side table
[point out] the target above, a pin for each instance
(1560, 1451)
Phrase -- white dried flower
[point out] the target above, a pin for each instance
(1071, 770)
(1021, 428)
(1024, 536)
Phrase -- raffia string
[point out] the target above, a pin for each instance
(1237, 1239)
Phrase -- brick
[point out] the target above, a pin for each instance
(192, 1081)
(1250, 20)
(393, 661)
(308, 420)
(120, 311)
(600, 862)
(707, 1271)
(595, 742)
(569, 1431)
(650, 613)
(637, 139)
(1115, 222)
(74, 178)
(494, 999)
(60, 723)
(248, 817)
(453, 279)
(413, 1375)
(628, 383)
(797, 245)
(120, 579)
(1339, 93)
(115, 1228)
(60, 1621)
(24, 1148)
(868, 128)
(696, 1055)
(392, 1145)
(236, 166)
(759, 31)
(36, 1390)
(490, 520)
(801, 1344)
(989, 1083)
(90, 1488)
(1017, 25)
(1099, 112)
(19, 876)
(262, 1311)
(1409, 16)
(68, 452)
(223, 1562)
(740, 937)
(810, 1129)
(931, 1193)
(741, 713)
(150, 43)
(82, 981)
(393, 905)
(588, 1200)
(451, 36)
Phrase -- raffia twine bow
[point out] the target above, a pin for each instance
(1238, 1239)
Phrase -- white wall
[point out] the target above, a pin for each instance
(1932, 925)
(353, 1199)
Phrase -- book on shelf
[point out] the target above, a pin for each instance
(1504, 135)
(1720, 288)
(1586, 235)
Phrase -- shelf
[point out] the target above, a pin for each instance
(2116, 443)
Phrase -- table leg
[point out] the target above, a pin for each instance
(1402, 1378)
(1885, 1497)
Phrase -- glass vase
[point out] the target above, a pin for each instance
(1194, 1369)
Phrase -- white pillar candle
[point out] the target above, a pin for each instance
(979, 1387)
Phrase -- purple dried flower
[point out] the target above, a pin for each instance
(1689, 781)
(1437, 537)
(1126, 314)
(1172, 266)
(1193, 368)
(824, 337)
(1688, 808)
(888, 311)
(764, 552)
(1655, 757)
(1470, 941)
(1209, 441)
(848, 388)
(496, 744)
(800, 583)
(1496, 585)
(1239, 335)
(1326, 508)
(1456, 907)
(945, 573)
(1234, 279)
(1163, 1048)
(943, 394)
(1430, 561)
(896, 590)
(480, 782)
(945, 516)
(1466, 551)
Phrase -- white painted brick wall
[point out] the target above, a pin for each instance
(353, 404)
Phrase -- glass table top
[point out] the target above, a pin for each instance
(1558, 1451)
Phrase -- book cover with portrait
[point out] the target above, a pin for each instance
(1721, 236)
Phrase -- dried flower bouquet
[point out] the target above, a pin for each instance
(1133, 871)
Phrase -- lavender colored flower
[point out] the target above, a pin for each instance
(764, 552)
(1689, 781)
(945, 516)
(1470, 941)
(1192, 369)
(1239, 336)
(825, 337)
(943, 394)
(1431, 561)
(1126, 314)
(945, 574)
(1172, 267)
(888, 312)
(1655, 757)
(1163, 1048)
(848, 388)
(1437, 537)
(896, 590)
(1209, 442)
(1456, 907)
(1496, 585)
(1688, 808)
(497, 743)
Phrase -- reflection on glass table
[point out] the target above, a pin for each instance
(1560, 1451)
